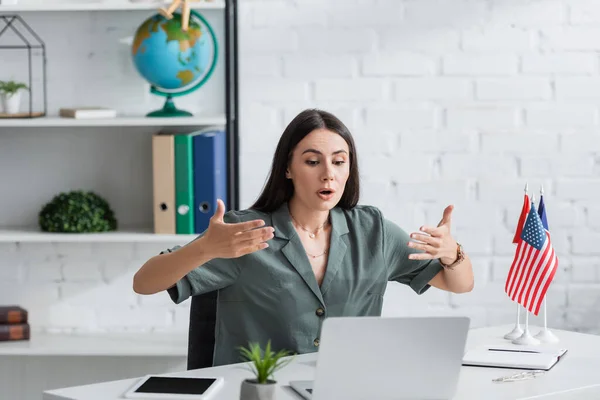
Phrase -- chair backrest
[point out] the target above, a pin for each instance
(201, 336)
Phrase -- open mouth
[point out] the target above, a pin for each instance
(325, 192)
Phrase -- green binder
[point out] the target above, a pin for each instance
(184, 180)
(184, 184)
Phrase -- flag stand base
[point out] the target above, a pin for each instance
(546, 336)
(526, 339)
(515, 333)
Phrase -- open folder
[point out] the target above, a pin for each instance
(513, 357)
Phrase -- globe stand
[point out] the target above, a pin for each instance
(169, 110)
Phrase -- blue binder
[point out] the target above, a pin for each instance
(210, 176)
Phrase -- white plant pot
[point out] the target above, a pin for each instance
(252, 390)
(11, 103)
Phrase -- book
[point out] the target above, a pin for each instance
(514, 357)
(87, 112)
(13, 314)
(15, 332)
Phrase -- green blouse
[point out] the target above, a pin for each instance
(273, 293)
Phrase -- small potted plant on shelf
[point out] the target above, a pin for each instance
(263, 365)
(77, 211)
(11, 95)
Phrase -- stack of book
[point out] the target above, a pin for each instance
(189, 175)
(87, 112)
(14, 324)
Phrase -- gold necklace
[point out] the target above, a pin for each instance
(318, 255)
(312, 235)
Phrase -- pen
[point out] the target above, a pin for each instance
(515, 351)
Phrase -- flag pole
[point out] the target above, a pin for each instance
(527, 338)
(545, 335)
(517, 331)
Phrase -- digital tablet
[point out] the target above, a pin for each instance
(172, 387)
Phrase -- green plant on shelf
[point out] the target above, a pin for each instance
(77, 212)
(11, 87)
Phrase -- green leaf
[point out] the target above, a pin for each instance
(264, 364)
(11, 87)
(78, 212)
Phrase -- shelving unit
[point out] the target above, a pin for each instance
(109, 5)
(130, 236)
(47, 122)
(126, 134)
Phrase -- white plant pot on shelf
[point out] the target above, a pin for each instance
(11, 102)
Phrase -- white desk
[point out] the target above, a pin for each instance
(574, 377)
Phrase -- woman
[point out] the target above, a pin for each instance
(305, 250)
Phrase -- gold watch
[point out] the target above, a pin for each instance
(460, 255)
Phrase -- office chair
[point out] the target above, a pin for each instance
(201, 337)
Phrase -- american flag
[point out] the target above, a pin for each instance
(542, 213)
(524, 212)
(534, 265)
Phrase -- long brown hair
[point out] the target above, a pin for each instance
(278, 188)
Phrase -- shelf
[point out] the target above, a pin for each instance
(108, 5)
(119, 121)
(34, 235)
(98, 344)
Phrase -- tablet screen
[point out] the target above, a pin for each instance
(175, 385)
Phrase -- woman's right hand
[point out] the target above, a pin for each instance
(223, 240)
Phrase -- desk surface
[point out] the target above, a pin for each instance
(574, 377)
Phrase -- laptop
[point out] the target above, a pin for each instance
(365, 358)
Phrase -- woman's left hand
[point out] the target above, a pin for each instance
(435, 242)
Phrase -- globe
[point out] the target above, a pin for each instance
(174, 62)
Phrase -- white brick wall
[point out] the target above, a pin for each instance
(470, 65)
(458, 102)
(470, 101)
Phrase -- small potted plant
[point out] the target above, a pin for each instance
(77, 211)
(11, 95)
(263, 365)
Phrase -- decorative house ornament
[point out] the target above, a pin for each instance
(18, 39)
